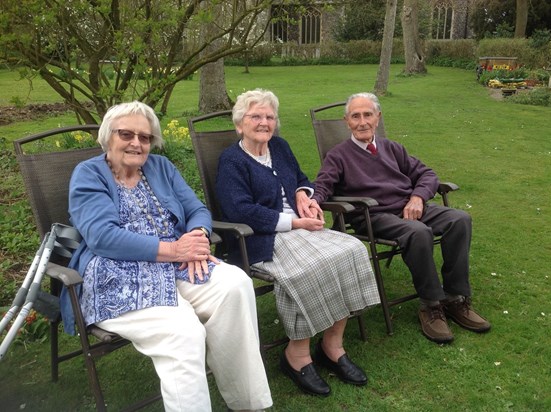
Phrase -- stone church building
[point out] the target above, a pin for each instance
(314, 21)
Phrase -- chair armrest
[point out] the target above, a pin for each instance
(446, 187)
(356, 201)
(238, 229)
(337, 207)
(215, 238)
(67, 276)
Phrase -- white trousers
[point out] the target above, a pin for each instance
(215, 321)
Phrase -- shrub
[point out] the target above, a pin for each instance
(261, 55)
(465, 49)
(540, 38)
(34, 329)
(520, 48)
(76, 140)
(487, 75)
(539, 96)
(179, 149)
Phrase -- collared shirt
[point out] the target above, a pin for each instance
(363, 144)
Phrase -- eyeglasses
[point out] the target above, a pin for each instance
(257, 118)
(128, 135)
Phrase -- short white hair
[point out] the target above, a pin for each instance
(364, 95)
(127, 109)
(259, 97)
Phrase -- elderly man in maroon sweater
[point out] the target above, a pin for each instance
(370, 166)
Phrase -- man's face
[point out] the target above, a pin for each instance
(362, 119)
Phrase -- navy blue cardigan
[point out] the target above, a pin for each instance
(250, 193)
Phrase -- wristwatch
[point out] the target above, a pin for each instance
(202, 229)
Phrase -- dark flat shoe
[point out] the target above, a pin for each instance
(306, 379)
(346, 370)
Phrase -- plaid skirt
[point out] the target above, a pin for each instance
(321, 277)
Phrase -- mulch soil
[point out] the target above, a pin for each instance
(10, 114)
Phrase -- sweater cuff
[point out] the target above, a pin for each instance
(309, 191)
(285, 222)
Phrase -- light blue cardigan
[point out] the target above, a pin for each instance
(94, 212)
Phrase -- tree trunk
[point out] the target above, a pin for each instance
(521, 18)
(213, 96)
(381, 83)
(413, 51)
(212, 88)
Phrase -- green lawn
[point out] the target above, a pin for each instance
(497, 152)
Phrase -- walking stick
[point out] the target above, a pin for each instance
(29, 291)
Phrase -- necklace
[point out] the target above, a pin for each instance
(141, 199)
(118, 179)
(162, 229)
(265, 160)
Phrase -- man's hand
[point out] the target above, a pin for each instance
(414, 208)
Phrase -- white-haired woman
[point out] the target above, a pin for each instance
(322, 276)
(149, 274)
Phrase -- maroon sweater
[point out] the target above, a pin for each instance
(390, 177)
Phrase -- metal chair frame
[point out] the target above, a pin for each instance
(208, 146)
(46, 178)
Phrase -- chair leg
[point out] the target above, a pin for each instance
(392, 253)
(382, 295)
(54, 350)
(361, 325)
(94, 382)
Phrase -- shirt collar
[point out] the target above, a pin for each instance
(363, 145)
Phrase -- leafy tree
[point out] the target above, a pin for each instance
(107, 51)
(498, 18)
(363, 19)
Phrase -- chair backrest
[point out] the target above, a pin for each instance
(330, 127)
(216, 134)
(46, 175)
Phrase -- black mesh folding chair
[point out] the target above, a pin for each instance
(211, 134)
(46, 178)
(331, 129)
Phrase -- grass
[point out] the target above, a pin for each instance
(500, 155)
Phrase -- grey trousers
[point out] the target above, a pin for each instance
(416, 237)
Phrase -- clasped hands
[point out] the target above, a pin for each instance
(310, 213)
(193, 251)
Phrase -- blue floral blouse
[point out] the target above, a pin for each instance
(113, 287)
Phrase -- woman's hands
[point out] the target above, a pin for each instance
(307, 223)
(192, 250)
(308, 208)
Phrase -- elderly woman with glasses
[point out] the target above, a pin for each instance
(149, 275)
(322, 276)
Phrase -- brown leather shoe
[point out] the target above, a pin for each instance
(434, 324)
(460, 312)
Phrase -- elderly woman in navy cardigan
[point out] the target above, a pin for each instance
(149, 274)
(321, 275)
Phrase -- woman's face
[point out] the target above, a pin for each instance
(258, 124)
(126, 150)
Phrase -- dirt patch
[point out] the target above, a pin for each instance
(498, 93)
(10, 114)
